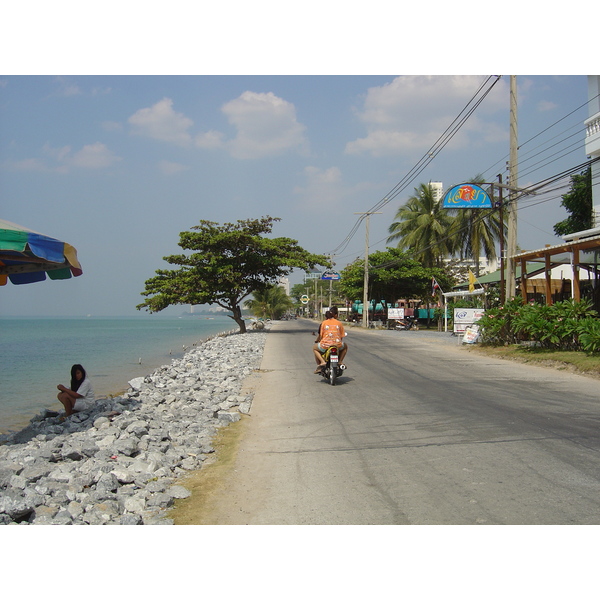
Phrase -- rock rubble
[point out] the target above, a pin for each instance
(119, 461)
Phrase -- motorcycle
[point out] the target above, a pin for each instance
(406, 324)
(332, 369)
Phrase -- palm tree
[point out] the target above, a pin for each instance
(423, 227)
(270, 303)
(476, 231)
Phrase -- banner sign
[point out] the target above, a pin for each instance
(466, 195)
(465, 317)
(331, 275)
(395, 313)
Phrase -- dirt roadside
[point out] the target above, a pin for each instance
(213, 496)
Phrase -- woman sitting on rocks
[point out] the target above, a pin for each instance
(81, 387)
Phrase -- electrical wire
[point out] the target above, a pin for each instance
(449, 133)
(531, 189)
(505, 158)
(431, 153)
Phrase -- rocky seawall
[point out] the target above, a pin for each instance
(121, 460)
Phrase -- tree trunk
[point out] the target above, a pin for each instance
(237, 317)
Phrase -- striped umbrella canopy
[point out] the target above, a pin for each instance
(26, 256)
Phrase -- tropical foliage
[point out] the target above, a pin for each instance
(423, 227)
(578, 203)
(566, 325)
(432, 233)
(227, 264)
(393, 274)
(269, 303)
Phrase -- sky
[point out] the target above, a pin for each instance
(118, 163)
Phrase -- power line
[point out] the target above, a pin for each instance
(532, 188)
(505, 157)
(433, 151)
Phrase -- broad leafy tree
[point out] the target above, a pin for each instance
(578, 203)
(393, 274)
(224, 265)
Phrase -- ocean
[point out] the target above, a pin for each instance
(36, 354)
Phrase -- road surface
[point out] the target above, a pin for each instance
(418, 431)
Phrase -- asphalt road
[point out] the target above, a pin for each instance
(418, 431)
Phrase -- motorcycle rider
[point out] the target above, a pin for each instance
(331, 333)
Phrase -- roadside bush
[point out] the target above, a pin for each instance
(589, 334)
(566, 325)
(496, 325)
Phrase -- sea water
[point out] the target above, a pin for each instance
(36, 354)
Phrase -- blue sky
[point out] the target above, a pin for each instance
(117, 164)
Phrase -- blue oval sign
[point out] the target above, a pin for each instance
(466, 195)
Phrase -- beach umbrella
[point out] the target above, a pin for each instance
(26, 256)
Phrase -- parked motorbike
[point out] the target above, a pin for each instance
(407, 323)
(332, 369)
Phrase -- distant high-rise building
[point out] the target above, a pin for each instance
(284, 282)
(437, 187)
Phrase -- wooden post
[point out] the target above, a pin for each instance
(576, 288)
(548, 273)
(524, 280)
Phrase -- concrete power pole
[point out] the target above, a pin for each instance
(513, 183)
(365, 316)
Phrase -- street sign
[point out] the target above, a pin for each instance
(304, 299)
(330, 275)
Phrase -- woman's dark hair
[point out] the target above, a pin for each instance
(75, 383)
(328, 314)
(334, 311)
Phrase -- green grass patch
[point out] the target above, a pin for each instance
(576, 361)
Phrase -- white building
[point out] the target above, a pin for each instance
(437, 187)
(592, 141)
(284, 282)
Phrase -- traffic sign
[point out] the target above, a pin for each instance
(304, 299)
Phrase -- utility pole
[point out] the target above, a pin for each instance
(502, 263)
(331, 281)
(512, 201)
(365, 315)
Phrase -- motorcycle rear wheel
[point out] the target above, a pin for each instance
(332, 374)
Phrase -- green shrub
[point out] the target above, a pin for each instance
(566, 325)
(589, 334)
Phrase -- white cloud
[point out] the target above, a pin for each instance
(92, 156)
(411, 112)
(166, 167)
(323, 188)
(27, 164)
(67, 88)
(161, 122)
(63, 160)
(112, 126)
(545, 105)
(209, 140)
(266, 126)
